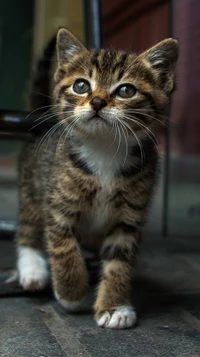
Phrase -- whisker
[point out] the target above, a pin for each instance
(143, 126)
(58, 112)
(44, 95)
(68, 129)
(50, 132)
(139, 143)
(45, 106)
(124, 130)
(53, 131)
(118, 131)
(142, 112)
(45, 114)
(43, 138)
(148, 132)
(113, 127)
(49, 117)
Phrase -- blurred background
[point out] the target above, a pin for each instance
(25, 26)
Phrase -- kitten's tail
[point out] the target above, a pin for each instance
(40, 94)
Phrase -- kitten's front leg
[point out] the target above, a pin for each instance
(68, 268)
(113, 308)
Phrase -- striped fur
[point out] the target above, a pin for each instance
(90, 183)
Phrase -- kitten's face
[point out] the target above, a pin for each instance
(104, 91)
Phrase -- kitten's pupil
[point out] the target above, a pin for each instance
(126, 91)
(81, 86)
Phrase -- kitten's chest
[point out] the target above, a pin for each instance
(97, 220)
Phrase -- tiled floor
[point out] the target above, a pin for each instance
(166, 295)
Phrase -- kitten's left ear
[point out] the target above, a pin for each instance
(67, 46)
(163, 58)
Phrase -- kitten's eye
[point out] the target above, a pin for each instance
(126, 91)
(81, 86)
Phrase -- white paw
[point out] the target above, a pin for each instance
(32, 268)
(123, 317)
(69, 305)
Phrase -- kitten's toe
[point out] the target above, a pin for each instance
(104, 320)
(70, 306)
(122, 317)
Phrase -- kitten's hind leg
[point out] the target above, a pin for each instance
(31, 263)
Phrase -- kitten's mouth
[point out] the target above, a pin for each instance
(96, 118)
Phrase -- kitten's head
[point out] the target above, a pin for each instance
(103, 90)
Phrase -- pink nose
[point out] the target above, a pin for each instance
(97, 103)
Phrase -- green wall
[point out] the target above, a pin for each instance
(16, 23)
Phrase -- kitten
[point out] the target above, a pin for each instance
(90, 183)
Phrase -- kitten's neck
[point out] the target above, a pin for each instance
(105, 155)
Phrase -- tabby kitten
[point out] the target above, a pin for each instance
(89, 184)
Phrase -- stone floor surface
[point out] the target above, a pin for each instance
(166, 296)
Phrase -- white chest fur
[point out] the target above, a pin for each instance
(105, 156)
(97, 220)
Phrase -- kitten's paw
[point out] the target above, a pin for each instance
(70, 306)
(33, 279)
(122, 317)
(32, 268)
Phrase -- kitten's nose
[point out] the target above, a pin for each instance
(97, 103)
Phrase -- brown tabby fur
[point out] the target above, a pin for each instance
(60, 192)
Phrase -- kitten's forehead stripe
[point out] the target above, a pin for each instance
(108, 58)
(120, 61)
(120, 75)
(143, 72)
(90, 73)
(95, 60)
(105, 60)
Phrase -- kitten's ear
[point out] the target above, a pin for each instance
(67, 46)
(163, 58)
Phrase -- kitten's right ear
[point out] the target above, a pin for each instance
(67, 46)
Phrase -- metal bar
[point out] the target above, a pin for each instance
(19, 123)
(165, 215)
(93, 23)
(7, 230)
